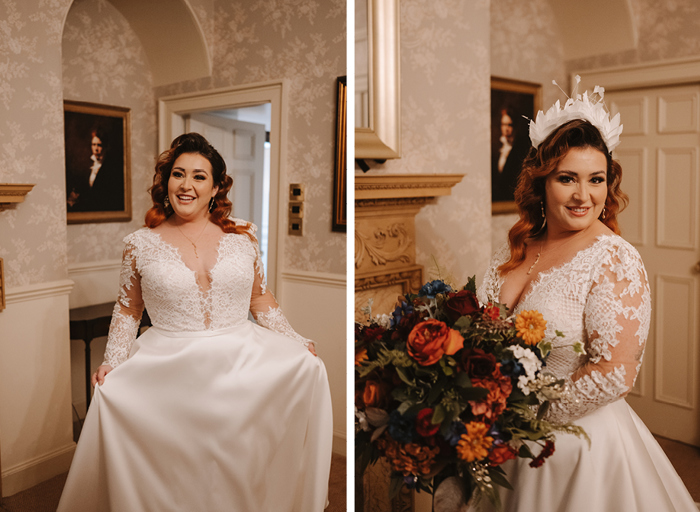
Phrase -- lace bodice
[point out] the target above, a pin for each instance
(154, 275)
(600, 297)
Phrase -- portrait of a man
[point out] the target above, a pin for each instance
(511, 107)
(97, 177)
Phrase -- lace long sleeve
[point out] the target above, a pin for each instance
(127, 312)
(265, 309)
(616, 322)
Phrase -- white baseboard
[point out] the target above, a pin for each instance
(37, 470)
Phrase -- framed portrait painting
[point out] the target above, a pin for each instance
(98, 162)
(512, 104)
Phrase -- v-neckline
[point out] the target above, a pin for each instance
(532, 285)
(194, 272)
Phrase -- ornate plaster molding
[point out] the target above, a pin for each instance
(13, 193)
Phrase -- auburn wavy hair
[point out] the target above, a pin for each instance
(194, 143)
(538, 165)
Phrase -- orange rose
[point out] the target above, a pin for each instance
(488, 409)
(431, 339)
(374, 394)
(502, 453)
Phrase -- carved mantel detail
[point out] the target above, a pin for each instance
(385, 234)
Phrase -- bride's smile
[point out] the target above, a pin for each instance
(576, 190)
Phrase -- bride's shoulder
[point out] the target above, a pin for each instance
(138, 236)
(618, 249)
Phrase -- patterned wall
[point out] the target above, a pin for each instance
(445, 128)
(301, 40)
(33, 235)
(304, 42)
(104, 62)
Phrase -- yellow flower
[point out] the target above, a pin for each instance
(361, 356)
(475, 444)
(530, 326)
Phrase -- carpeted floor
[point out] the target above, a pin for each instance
(44, 497)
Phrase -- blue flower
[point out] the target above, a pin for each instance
(402, 310)
(402, 428)
(454, 434)
(511, 367)
(432, 288)
(410, 481)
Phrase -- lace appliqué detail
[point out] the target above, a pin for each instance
(600, 297)
(275, 320)
(122, 332)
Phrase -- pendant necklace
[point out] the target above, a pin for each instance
(536, 260)
(194, 244)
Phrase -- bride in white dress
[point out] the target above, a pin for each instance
(566, 260)
(206, 411)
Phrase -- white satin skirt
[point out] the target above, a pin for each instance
(233, 420)
(624, 470)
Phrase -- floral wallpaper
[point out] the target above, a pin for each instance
(33, 234)
(104, 62)
(304, 42)
(85, 50)
(445, 129)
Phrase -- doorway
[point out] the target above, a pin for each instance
(247, 126)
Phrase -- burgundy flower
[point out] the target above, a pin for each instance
(424, 427)
(460, 304)
(478, 364)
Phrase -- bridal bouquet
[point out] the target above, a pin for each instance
(448, 387)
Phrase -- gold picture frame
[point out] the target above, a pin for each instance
(98, 162)
(341, 157)
(513, 102)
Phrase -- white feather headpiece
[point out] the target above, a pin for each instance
(588, 107)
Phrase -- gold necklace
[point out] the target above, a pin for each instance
(194, 244)
(536, 260)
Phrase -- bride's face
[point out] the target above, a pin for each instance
(576, 190)
(191, 186)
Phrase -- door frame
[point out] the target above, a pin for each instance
(172, 108)
(652, 74)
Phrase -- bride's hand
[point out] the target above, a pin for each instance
(99, 376)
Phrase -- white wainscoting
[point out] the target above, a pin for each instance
(315, 304)
(96, 282)
(36, 430)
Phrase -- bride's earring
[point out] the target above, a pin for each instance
(602, 215)
(166, 202)
(212, 205)
(542, 210)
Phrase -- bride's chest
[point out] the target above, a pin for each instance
(164, 272)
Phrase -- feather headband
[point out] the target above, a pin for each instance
(589, 107)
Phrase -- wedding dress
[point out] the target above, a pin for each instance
(602, 298)
(205, 411)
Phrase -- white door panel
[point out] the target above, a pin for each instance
(659, 157)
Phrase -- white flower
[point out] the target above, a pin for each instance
(384, 321)
(530, 363)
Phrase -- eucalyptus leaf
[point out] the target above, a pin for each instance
(439, 414)
(405, 376)
(462, 380)
(500, 479)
